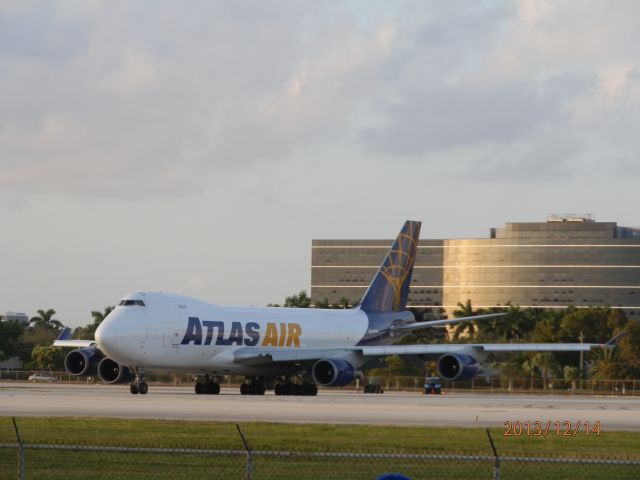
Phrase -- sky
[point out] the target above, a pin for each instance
(197, 147)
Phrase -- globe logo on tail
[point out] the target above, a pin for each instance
(399, 262)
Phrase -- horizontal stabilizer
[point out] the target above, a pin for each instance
(445, 321)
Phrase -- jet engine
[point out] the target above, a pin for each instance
(83, 361)
(456, 366)
(112, 372)
(333, 372)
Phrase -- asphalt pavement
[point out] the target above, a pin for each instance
(465, 410)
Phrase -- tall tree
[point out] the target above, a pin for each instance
(516, 324)
(10, 331)
(38, 335)
(48, 357)
(44, 318)
(88, 331)
(464, 329)
(301, 300)
(605, 365)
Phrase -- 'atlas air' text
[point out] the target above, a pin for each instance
(208, 332)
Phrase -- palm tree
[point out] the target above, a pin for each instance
(464, 310)
(604, 365)
(45, 319)
(512, 326)
(99, 316)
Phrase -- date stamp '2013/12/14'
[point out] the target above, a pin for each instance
(550, 428)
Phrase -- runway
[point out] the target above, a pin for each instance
(464, 410)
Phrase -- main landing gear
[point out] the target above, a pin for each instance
(139, 385)
(281, 386)
(255, 387)
(206, 386)
(309, 389)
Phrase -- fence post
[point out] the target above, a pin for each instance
(249, 474)
(20, 451)
(496, 462)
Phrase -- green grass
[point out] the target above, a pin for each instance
(281, 436)
(295, 437)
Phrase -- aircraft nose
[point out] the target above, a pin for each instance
(106, 336)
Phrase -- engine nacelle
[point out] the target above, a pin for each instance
(112, 372)
(83, 361)
(457, 366)
(333, 372)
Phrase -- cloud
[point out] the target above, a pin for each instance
(237, 87)
(136, 73)
(147, 99)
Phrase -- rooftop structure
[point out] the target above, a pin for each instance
(20, 317)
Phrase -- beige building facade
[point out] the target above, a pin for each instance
(567, 260)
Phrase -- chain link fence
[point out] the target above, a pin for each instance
(59, 461)
(390, 383)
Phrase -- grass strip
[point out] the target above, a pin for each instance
(314, 437)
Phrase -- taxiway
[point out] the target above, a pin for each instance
(464, 410)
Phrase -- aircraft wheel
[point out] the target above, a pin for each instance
(215, 388)
(278, 389)
(143, 388)
(133, 388)
(244, 389)
(199, 388)
(310, 389)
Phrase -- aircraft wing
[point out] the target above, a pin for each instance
(486, 347)
(250, 356)
(73, 343)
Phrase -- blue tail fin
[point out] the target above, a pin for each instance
(389, 289)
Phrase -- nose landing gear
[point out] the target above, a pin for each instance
(138, 386)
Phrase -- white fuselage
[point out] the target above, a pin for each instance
(176, 333)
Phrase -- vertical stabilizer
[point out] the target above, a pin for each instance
(389, 289)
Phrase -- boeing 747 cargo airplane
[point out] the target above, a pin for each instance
(289, 350)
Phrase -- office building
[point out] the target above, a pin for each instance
(567, 260)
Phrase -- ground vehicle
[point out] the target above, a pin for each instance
(43, 377)
(373, 388)
(432, 385)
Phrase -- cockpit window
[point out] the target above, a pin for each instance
(128, 303)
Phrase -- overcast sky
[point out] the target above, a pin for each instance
(197, 147)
